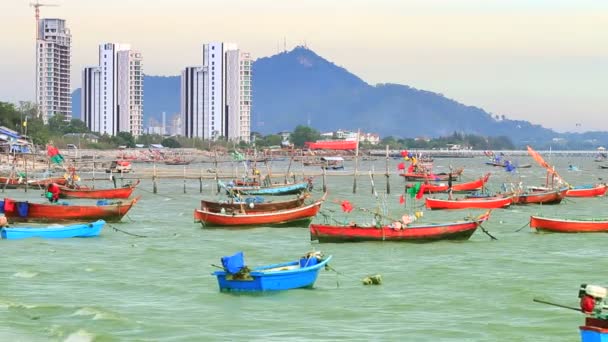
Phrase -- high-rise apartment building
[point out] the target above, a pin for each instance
(216, 98)
(53, 62)
(112, 93)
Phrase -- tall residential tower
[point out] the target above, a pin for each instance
(216, 98)
(112, 93)
(53, 56)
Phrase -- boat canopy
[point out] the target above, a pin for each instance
(233, 263)
(337, 159)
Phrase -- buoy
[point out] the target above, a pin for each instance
(375, 279)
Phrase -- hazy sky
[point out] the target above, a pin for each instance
(545, 61)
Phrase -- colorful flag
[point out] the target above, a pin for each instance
(347, 207)
(54, 154)
(402, 199)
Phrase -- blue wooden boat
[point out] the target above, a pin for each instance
(284, 276)
(273, 190)
(54, 232)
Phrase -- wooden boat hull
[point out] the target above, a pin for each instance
(14, 183)
(598, 190)
(38, 212)
(468, 186)
(76, 230)
(290, 216)
(122, 193)
(540, 197)
(277, 277)
(216, 207)
(469, 203)
(435, 177)
(568, 225)
(275, 190)
(418, 233)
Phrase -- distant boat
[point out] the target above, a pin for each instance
(14, 183)
(587, 190)
(301, 273)
(460, 230)
(53, 232)
(591, 225)
(85, 192)
(301, 215)
(469, 203)
(275, 189)
(46, 212)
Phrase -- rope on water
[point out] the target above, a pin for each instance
(487, 232)
(375, 279)
(522, 227)
(125, 232)
(156, 194)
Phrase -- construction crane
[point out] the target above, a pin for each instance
(37, 6)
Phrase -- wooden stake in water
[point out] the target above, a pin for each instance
(25, 168)
(388, 183)
(154, 185)
(216, 173)
(288, 168)
(200, 182)
(184, 178)
(356, 164)
(94, 154)
(324, 180)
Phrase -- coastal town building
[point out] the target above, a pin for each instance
(112, 93)
(216, 97)
(53, 64)
(340, 134)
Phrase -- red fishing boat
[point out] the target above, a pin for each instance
(432, 177)
(12, 183)
(86, 192)
(461, 230)
(569, 225)
(540, 197)
(467, 186)
(587, 190)
(303, 214)
(469, 203)
(251, 206)
(37, 212)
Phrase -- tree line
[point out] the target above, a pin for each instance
(14, 116)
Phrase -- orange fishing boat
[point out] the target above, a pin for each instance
(540, 197)
(303, 215)
(469, 203)
(434, 177)
(461, 230)
(250, 205)
(568, 225)
(587, 190)
(467, 186)
(38, 212)
(85, 192)
(13, 183)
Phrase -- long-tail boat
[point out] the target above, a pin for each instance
(434, 177)
(469, 203)
(568, 225)
(85, 192)
(13, 183)
(38, 212)
(587, 190)
(460, 230)
(303, 214)
(252, 206)
(540, 197)
(54, 232)
(467, 186)
(272, 190)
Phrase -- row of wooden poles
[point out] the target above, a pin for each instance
(217, 175)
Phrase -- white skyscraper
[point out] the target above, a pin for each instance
(213, 96)
(53, 55)
(112, 93)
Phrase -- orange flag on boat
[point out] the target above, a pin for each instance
(539, 159)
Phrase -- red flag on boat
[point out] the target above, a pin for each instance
(410, 168)
(347, 207)
(401, 199)
(401, 166)
(404, 153)
(420, 193)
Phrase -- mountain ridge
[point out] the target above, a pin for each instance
(299, 87)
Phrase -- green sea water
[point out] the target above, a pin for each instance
(119, 287)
